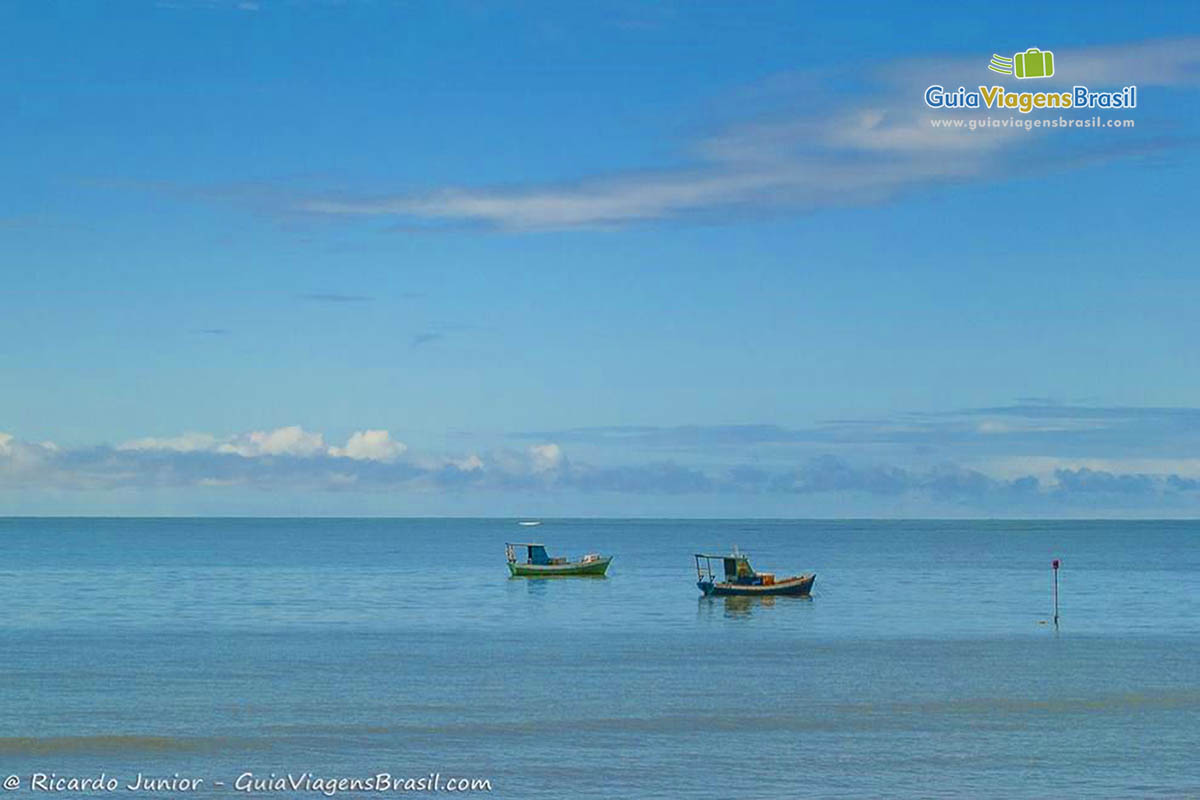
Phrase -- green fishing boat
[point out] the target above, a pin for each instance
(538, 564)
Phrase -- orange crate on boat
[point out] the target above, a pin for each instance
(768, 578)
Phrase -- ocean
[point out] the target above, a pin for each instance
(924, 665)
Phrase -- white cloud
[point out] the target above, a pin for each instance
(290, 441)
(469, 464)
(545, 457)
(15, 449)
(185, 443)
(20, 458)
(862, 150)
(287, 441)
(371, 445)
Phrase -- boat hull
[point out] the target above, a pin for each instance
(801, 585)
(593, 569)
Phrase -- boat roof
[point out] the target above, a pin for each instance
(526, 544)
(722, 555)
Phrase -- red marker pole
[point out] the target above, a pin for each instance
(1054, 566)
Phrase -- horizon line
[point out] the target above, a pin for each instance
(5, 517)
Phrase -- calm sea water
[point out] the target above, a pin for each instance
(214, 647)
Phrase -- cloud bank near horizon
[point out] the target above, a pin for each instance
(864, 147)
(734, 461)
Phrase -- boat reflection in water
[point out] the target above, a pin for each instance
(737, 606)
(743, 607)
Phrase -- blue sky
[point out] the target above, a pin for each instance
(614, 259)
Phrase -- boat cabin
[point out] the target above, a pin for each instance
(737, 570)
(535, 553)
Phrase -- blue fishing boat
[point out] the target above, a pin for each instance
(740, 579)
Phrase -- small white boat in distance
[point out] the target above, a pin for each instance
(529, 523)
